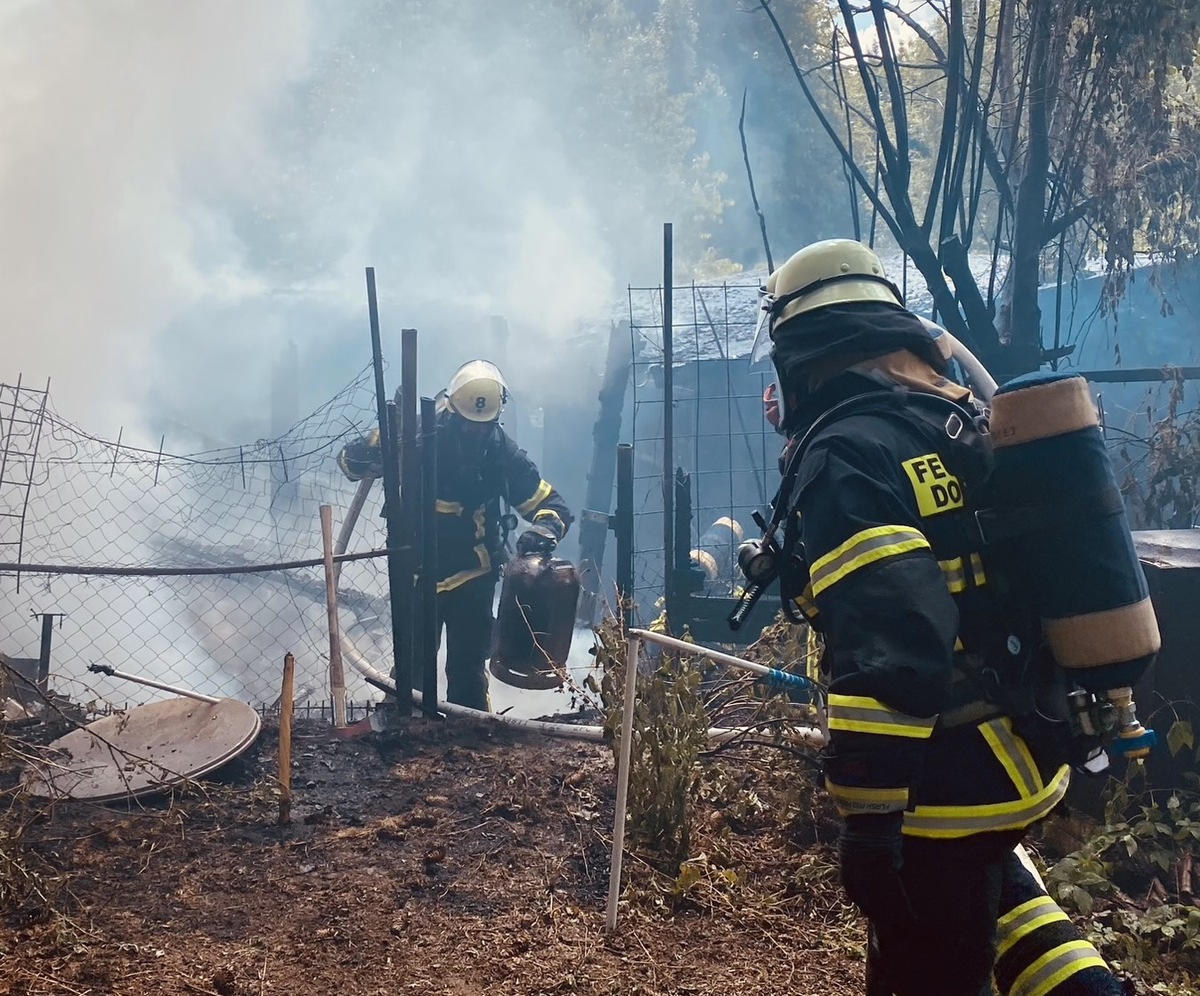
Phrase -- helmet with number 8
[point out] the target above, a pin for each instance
(477, 391)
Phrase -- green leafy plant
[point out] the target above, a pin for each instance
(670, 726)
(1133, 884)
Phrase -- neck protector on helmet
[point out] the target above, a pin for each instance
(820, 339)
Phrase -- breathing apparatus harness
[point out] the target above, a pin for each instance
(778, 553)
(1081, 723)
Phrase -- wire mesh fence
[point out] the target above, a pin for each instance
(721, 437)
(722, 440)
(156, 561)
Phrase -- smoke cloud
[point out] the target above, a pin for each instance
(186, 188)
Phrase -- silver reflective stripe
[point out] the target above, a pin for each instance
(1025, 919)
(961, 821)
(1056, 966)
(863, 714)
(851, 800)
(864, 548)
(878, 717)
(1014, 755)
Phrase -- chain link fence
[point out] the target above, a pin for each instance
(186, 569)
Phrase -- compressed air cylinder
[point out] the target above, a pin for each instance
(535, 622)
(1062, 534)
(716, 551)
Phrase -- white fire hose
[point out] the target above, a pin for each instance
(378, 679)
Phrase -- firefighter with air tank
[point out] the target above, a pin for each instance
(478, 467)
(983, 615)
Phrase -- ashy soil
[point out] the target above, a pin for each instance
(449, 858)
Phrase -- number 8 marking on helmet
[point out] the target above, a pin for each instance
(480, 403)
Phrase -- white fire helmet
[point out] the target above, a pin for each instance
(835, 271)
(477, 391)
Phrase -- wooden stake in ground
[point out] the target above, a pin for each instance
(285, 740)
(337, 674)
(623, 762)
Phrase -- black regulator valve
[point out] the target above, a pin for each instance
(758, 563)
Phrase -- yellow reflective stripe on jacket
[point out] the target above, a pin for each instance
(1023, 920)
(977, 572)
(955, 575)
(863, 714)
(804, 602)
(549, 513)
(1011, 751)
(852, 800)
(963, 821)
(481, 551)
(449, 507)
(539, 496)
(1055, 967)
(866, 547)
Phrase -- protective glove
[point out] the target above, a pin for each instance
(870, 851)
(536, 539)
(362, 457)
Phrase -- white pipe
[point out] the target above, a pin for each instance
(784, 677)
(187, 693)
(1027, 861)
(571, 731)
(623, 761)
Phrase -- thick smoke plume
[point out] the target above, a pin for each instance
(186, 188)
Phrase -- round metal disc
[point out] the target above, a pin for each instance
(147, 749)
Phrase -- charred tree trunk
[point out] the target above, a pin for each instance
(1022, 315)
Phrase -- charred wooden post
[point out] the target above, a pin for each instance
(389, 457)
(428, 579)
(410, 510)
(686, 579)
(622, 525)
(43, 668)
(668, 423)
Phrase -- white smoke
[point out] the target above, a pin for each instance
(122, 126)
(184, 188)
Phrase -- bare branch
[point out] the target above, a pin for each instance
(891, 158)
(864, 185)
(762, 221)
(887, 50)
(1055, 229)
(946, 138)
(919, 30)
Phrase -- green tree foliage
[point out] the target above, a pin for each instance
(1050, 132)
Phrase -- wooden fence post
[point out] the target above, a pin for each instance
(285, 740)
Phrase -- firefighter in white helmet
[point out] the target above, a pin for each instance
(936, 758)
(478, 467)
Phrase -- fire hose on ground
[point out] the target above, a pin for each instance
(377, 679)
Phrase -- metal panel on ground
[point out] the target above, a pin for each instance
(147, 749)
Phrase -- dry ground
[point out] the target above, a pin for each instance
(450, 859)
